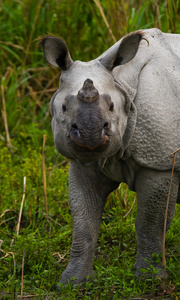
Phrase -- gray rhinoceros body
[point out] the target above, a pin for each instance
(118, 118)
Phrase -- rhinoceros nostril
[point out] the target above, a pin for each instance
(74, 132)
(111, 108)
(106, 124)
(74, 126)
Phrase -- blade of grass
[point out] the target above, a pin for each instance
(98, 4)
(22, 203)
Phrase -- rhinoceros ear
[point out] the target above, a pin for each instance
(56, 52)
(122, 52)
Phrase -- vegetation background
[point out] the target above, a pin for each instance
(34, 248)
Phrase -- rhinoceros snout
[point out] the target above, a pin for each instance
(89, 139)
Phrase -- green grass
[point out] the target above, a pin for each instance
(28, 84)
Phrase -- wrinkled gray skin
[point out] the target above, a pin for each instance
(118, 118)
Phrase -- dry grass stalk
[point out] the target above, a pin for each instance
(22, 273)
(125, 201)
(6, 255)
(98, 4)
(22, 203)
(48, 85)
(29, 297)
(2, 215)
(44, 176)
(49, 218)
(130, 208)
(4, 212)
(4, 115)
(32, 31)
(60, 256)
(94, 15)
(11, 44)
(2, 138)
(12, 253)
(167, 205)
(39, 92)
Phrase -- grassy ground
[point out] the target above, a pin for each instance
(35, 250)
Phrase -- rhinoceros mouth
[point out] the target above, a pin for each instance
(90, 147)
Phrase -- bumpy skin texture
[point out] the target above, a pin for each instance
(118, 118)
(150, 213)
(89, 189)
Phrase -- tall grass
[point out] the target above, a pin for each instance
(81, 24)
(89, 28)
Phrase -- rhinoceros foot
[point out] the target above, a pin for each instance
(150, 271)
(75, 279)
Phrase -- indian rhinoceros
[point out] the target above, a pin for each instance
(117, 118)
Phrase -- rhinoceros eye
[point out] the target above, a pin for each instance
(111, 107)
(64, 108)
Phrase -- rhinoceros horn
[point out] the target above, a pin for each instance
(88, 93)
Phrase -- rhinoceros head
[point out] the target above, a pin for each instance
(90, 111)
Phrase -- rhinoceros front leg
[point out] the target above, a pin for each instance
(152, 190)
(88, 190)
